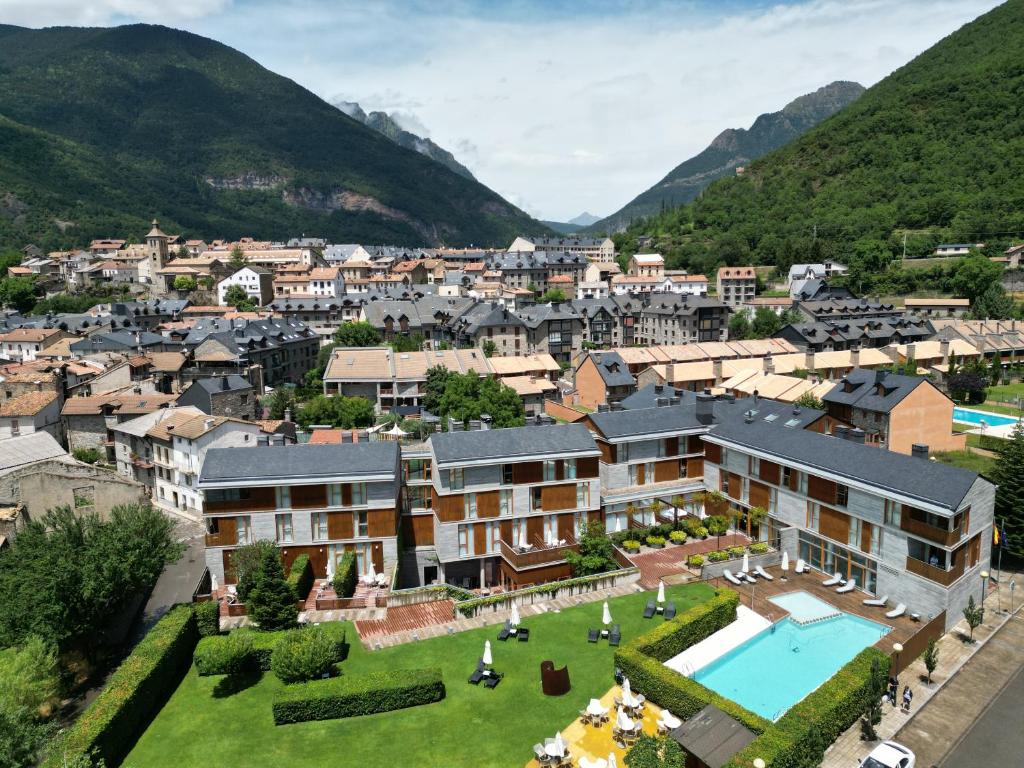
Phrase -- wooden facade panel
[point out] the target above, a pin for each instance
(228, 559)
(735, 485)
(713, 453)
(595, 516)
(641, 474)
(380, 523)
(487, 504)
(607, 452)
(261, 498)
(770, 472)
(479, 539)
(448, 508)
(865, 536)
(505, 526)
(694, 444)
(565, 527)
(346, 495)
(759, 495)
(514, 579)
(339, 525)
(821, 489)
(666, 470)
(377, 555)
(528, 472)
(309, 496)
(794, 480)
(587, 467)
(833, 525)
(671, 446)
(534, 530)
(555, 497)
(317, 558)
(695, 467)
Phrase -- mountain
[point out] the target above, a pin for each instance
(574, 225)
(938, 145)
(732, 148)
(585, 219)
(103, 129)
(385, 124)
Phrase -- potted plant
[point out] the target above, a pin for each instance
(758, 548)
(702, 532)
(695, 561)
(631, 546)
(656, 542)
(677, 537)
(717, 556)
(735, 551)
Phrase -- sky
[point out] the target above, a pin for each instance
(558, 106)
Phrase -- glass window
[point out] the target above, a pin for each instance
(842, 494)
(622, 452)
(786, 473)
(892, 513)
(853, 537)
(455, 478)
(361, 527)
(550, 529)
(570, 469)
(876, 540)
(535, 499)
(283, 495)
(755, 465)
(358, 494)
(505, 502)
(493, 537)
(244, 529)
(334, 495)
(284, 528)
(464, 534)
(519, 532)
(549, 470)
(583, 495)
(506, 474)
(579, 518)
(318, 524)
(812, 517)
(469, 505)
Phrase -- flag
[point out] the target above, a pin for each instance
(1002, 536)
(997, 536)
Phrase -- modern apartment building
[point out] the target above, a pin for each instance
(317, 500)
(736, 285)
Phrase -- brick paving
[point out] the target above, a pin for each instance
(657, 564)
(407, 618)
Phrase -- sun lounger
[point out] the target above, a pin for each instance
(878, 602)
(670, 610)
(730, 578)
(615, 636)
(478, 673)
(847, 587)
(801, 566)
(505, 631)
(836, 579)
(492, 681)
(650, 610)
(747, 577)
(763, 574)
(592, 635)
(896, 612)
(523, 634)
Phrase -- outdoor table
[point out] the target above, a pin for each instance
(551, 750)
(597, 762)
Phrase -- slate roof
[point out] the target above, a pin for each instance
(117, 341)
(877, 391)
(629, 423)
(536, 314)
(512, 443)
(647, 397)
(298, 462)
(921, 479)
(200, 392)
(28, 449)
(712, 736)
(613, 369)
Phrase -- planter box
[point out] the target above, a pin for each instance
(656, 546)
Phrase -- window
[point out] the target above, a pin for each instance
(570, 469)
(876, 540)
(243, 529)
(464, 534)
(505, 503)
(318, 524)
(455, 478)
(283, 525)
(283, 496)
(334, 495)
(549, 470)
(519, 532)
(802, 484)
(358, 494)
(754, 466)
(725, 456)
(536, 500)
(506, 474)
(812, 516)
(725, 484)
(892, 513)
(842, 494)
(469, 505)
(361, 525)
(15, 428)
(583, 495)
(225, 494)
(786, 474)
(550, 529)
(853, 537)
(622, 452)
(493, 537)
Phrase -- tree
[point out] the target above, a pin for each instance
(336, 411)
(236, 296)
(765, 323)
(970, 383)
(247, 560)
(468, 396)
(184, 283)
(183, 252)
(930, 657)
(281, 401)
(29, 677)
(974, 275)
(357, 334)
(1008, 475)
(413, 343)
(808, 400)
(755, 516)
(596, 554)
(873, 701)
(87, 455)
(489, 347)
(238, 259)
(739, 327)
(552, 295)
(655, 752)
(995, 372)
(18, 293)
(433, 387)
(974, 614)
(993, 304)
(271, 602)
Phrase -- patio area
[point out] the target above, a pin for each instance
(662, 564)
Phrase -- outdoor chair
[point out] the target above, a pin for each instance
(748, 578)
(896, 612)
(592, 635)
(478, 673)
(670, 610)
(837, 578)
(650, 610)
(764, 574)
(730, 578)
(505, 631)
(847, 587)
(801, 566)
(492, 680)
(878, 602)
(615, 636)
(523, 634)
(540, 754)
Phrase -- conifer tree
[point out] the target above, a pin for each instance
(1008, 474)
(271, 601)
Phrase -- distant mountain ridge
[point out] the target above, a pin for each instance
(385, 124)
(573, 225)
(732, 148)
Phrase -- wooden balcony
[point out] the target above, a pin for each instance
(540, 554)
(932, 533)
(935, 573)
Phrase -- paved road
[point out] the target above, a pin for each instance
(179, 579)
(996, 739)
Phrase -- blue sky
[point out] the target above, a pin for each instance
(559, 106)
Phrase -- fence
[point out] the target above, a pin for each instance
(915, 645)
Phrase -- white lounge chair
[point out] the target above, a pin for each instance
(730, 578)
(801, 566)
(836, 579)
(764, 574)
(748, 578)
(847, 587)
(896, 612)
(877, 602)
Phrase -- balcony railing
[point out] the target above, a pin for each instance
(227, 539)
(935, 573)
(931, 532)
(540, 554)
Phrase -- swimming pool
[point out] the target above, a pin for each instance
(804, 607)
(967, 416)
(775, 669)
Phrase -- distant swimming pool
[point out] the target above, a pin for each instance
(775, 669)
(967, 416)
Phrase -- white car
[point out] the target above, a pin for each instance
(889, 754)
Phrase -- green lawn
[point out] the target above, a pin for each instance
(473, 726)
(1006, 410)
(1006, 393)
(966, 460)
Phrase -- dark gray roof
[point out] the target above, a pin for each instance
(647, 397)
(878, 391)
(667, 418)
(901, 328)
(535, 314)
(200, 391)
(117, 341)
(674, 304)
(301, 462)
(712, 736)
(512, 443)
(239, 333)
(921, 479)
(612, 369)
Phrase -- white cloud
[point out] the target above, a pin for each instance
(44, 13)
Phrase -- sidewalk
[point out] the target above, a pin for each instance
(954, 653)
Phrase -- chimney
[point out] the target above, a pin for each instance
(661, 402)
(748, 417)
(944, 350)
(208, 423)
(603, 408)
(857, 435)
(809, 360)
(223, 383)
(855, 358)
(616, 406)
(675, 400)
(716, 371)
(485, 421)
(263, 440)
(880, 375)
(658, 388)
(287, 414)
(911, 352)
(768, 365)
(705, 409)
(919, 451)
(670, 374)
(842, 432)
(756, 393)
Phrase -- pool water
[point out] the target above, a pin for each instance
(967, 416)
(775, 669)
(804, 607)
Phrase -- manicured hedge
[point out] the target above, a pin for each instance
(134, 693)
(300, 577)
(208, 618)
(345, 577)
(212, 657)
(670, 638)
(800, 737)
(354, 695)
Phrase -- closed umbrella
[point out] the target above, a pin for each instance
(746, 563)
(606, 615)
(487, 653)
(513, 620)
(785, 560)
(661, 591)
(213, 582)
(612, 762)
(371, 574)
(559, 744)
(330, 569)
(622, 722)
(627, 691)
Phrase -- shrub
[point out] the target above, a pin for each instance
(355, 695)
(678, 537)
(717, 525)
(655, 752)
(134, 693)
(208, 618)
(736, 551)
(691, 525)
(702, 532)
(695, 561)
(304, 654)
(247, 560)
(86, 455)
(758, 548)
(300, 577)
(717, 556)
(655, 541)
(345, 577)
(225, 655)
(261, 645)
(631, 544)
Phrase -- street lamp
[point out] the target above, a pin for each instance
(984, 584)
(897, 648)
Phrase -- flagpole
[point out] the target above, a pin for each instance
(999, 570)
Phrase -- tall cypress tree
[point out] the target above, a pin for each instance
(1008, 473)
(271, 603)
